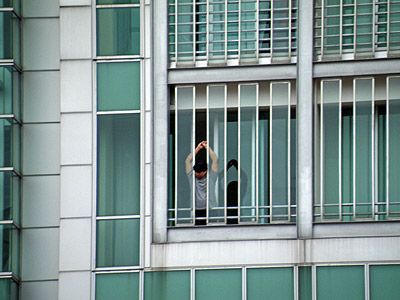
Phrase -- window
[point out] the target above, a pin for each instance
(167, 285)
(251, 130)
(357, 148)
(218, 284)
(115, 286)
(363, 28)
(219, 32)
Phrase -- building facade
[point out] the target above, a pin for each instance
(104, 101)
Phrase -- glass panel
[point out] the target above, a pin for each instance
(219, 284)
(293, 165)
(232, 157)
(167, 285)
(217, 38)
(10, 91)
(382, 167)
(384, 281)
(6, 3)
(363, 147)
(263, 163)
(9, 196)
(117, 286)
(279, 156)
(280, 19)
(340, 282)
(184, 146)
(10, 141)
(6, 35)
(101, 2)
(118, 86)
(264, 16)
(118, 243)
(364, 26)
(216, 98)
(305, 283)
(394, 147)
(5, 289)
(248, 152)
(118, 160)
(16, 38)
(185, 30)
(277, 283)
(248, 30)
(394, 27)
(347, 164)
(330, 148)
(9, 246)
(332, 17)
(118, 31)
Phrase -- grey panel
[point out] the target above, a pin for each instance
(40, 8)
(40, 290)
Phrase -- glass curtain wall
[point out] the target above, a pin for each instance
(356, 28)
(119, 140)
(10, 147)
(213, 32)
(356, 144)
(252, 137)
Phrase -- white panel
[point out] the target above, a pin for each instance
(76, 139)
(41, 201)
(76, 86)
(74, 2)
(147, 242)
(41, 96)
(76, 191)
(148, 75)
(148, 33)
(147, 190)
(40, 290)
(76, 32)
(74, 285)
(43, 38)
(148, 138)
(75, 244)
(40, 254)
(40, 8)
(41, 149)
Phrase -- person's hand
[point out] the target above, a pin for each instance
(204, 144)
(232, 162)
(199, 146)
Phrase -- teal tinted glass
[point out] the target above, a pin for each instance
(118, 165)
(9, 246)
(167, 285)
(340, 282)
(384, 282)
(305, 283)
(118, 31)
(118, 243)
(118, 86)
(6, 35)
(5, 288)
(117, 286)
(9, 196)
(10, 139)
(117, 2)
(6, 92)
(270, 283)
(219, 284)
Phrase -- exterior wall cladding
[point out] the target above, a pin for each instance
(102, 101)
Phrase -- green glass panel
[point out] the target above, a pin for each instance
(118, 86)
(347, 164)
(330, 138)
(248, 119)
(9, 246)
(363, 147)
(101, 2)
(5, 288)
(270, 283)
(118, 243)
(171, 285)
(384, 282)
(263, 164)
(117, 286)
(6, 3)
(219, 284)
(305, 283)
(16, 38)
(9, 196)
(10, 143)
(382, 191)
(340, 282)
(9, 92)
(118, 161)
(6, 35)
(118, 31)
(394, 147)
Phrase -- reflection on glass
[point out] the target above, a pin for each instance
(118, 31)
(248, 152)
(118, 168)
(394, 147)
(118, 243)
(330, 148)
(280, 111)
(184, 146)
(363, 147)
(216, 131)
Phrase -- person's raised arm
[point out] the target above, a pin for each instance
(214, 158)
(189, 158)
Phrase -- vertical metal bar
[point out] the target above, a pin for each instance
(176, 156)
(288, 150)
(257, 149)
(208, 151)
(296, 282)
(239, 160)
(225, 154)
(341, 29)
(271, 36)
(322, 27)
(194, 32)
(321, 161)
(354, 147)
(367, 282)
(194, 154)
(373, 147)
(387, 147)
(192, 284)
(290, 31)
(314, 282)
(271, 163)
(340, 149)
(244, 283)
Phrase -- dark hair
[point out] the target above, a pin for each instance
(200, 166)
